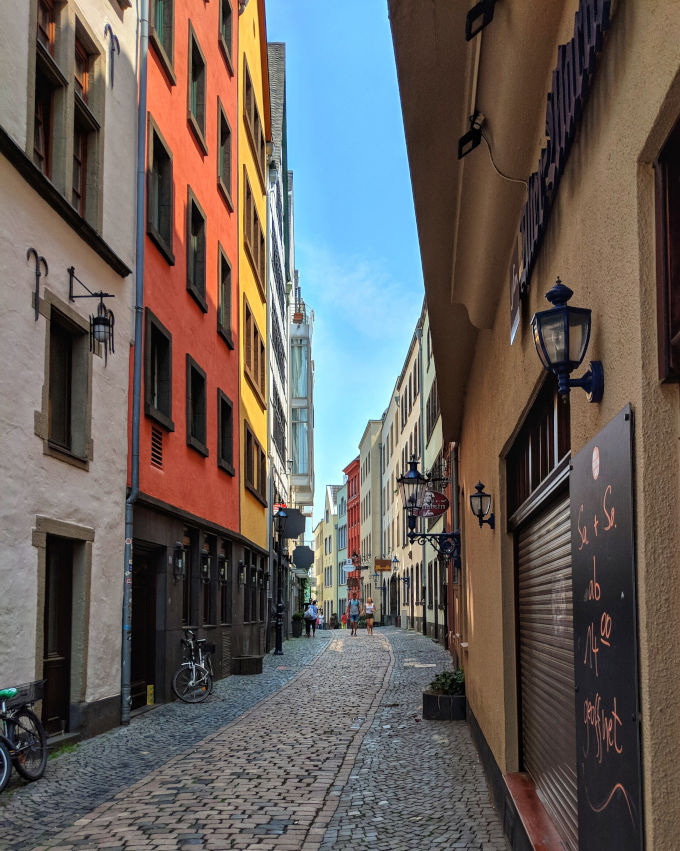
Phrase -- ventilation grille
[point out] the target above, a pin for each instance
(156, 447)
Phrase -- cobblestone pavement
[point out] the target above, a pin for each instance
(325, 749)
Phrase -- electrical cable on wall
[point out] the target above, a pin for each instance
(499, 172)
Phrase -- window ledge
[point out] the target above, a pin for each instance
(196, 444)
(256, 494)
(56, 451)
(226, 466)
(226, 54)
(162, 56)
(256, 390)
(198, 132)
(226, 194)
(256, 272)
(160, 244)
(225, 334)
(198, 297)
(159, 417)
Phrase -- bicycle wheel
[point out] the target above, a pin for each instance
(30, 744)
(5, 766)
(191, 683)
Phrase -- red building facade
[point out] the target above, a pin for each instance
(353, 519)
(186, 520)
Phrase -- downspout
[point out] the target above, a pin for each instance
(126, 650)
(455, 519)
(382, 530)
(419, 334)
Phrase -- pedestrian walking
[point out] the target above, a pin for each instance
(310, 616)
(319, 620)
(353, 612)
(370, 614)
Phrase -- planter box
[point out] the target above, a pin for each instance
(444, 707)
(297, 629)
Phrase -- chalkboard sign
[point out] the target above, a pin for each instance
(605, 641)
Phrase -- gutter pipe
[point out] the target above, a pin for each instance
(126, 650)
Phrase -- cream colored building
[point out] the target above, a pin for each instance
(370, 507)
(548, 145)
(68, 118)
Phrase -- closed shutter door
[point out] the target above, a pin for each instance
(546, 637)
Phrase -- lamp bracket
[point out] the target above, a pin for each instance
(447, 544)
(592, 382)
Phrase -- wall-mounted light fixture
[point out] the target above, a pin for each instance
(412, 486)
(478, 17)
(241, 573)
(406, 579)
(561, 335)
(480, 503)
(205, 566)
(101, 325)
(222, 568)
(473, 138)
(178, 561)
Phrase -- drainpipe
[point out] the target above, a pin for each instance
(419, 334)
(126, 650)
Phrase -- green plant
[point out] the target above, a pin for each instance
(298, 616)
(67, 748)
(448, 682)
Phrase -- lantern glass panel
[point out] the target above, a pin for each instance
(100, 326)
(579, 333)
(552, 330)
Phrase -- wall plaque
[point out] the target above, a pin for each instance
(605, 641)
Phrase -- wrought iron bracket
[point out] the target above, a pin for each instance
(114, 47)
(447, 544)
(39, 260)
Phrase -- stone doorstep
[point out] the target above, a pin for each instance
(539, 828)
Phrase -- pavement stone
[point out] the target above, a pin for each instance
(327, 747)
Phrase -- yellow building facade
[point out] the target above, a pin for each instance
(254, 129)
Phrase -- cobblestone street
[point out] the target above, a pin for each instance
(326, 749)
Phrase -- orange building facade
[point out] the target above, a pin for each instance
(186, 516)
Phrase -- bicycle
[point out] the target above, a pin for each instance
(193, 680)
(22, 736)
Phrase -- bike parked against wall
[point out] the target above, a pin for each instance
(22, 737)
(193, 680)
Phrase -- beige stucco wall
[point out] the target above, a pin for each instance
(41, 492)
(600, 241)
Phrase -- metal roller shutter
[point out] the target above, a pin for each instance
(546, 639)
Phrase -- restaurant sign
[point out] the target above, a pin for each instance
(434, 504)
(605, 641)
(383, 564)
(571, 80)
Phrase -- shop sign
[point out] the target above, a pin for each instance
(571, 79)
(383, 564)
(434, 504)
(605, 641)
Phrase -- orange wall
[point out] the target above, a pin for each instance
(353, 516)
(190, 481)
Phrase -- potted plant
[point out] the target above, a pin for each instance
(298, 621)
(444, 698)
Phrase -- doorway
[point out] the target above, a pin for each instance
(57, 635)
(143, 640)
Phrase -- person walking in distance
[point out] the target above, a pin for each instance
(353, 612)
(310, 617)
(370, 614)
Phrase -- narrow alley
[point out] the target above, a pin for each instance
(326, 749)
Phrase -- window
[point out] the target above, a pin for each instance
(254, 356)
(246, 589)
(85, 131)
(159, 195)
(226, 590)
(254, 236)
(46, 24)
(253, 122)
(158, 372)
(161, 33)
(225, 433)
(299, 356)
(196, 93)
(196, 250)
(254, 465)
(224, 297)
(224, 154)
(48, 82)
(300, 440)
(226, 37)
(196, 406)
(208, 586)
(187, 581)
(667, 170)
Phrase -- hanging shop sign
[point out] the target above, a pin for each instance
(383, 564)
(605, 641)
(434, 504)
(571, 79)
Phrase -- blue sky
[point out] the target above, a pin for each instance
(355, 235)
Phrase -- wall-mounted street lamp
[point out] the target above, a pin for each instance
(241, 573)
(561, 335)
(222, 568)
(101, 325)
(480, 503)
(178, 561)
(205, 566)
(412, 486)
(478, 17)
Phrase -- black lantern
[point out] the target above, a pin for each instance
(222, 568)
(241, 573)
(561, 335)
(412, 486)
(480, 503)
(101, 325)
(178, 561)
(205, 566)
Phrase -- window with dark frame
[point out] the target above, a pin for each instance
(85, 127)
(161, 32)
(68, 426)
(254, 236)
(48, 80)
(252, 588)
(196, 242)
(208, 592)
(667, 174)
(159, 202)
(196, 95)
(196, 406)
(226, 589)
(246, 589)
(263, 590)
(254, 465)
(225, 433)
(224, 155)
(187, 580)
(226, 31)
(158, 371)
(253, 122)
(224, 297)
(254, 355)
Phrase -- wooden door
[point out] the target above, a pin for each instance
(57, 635)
